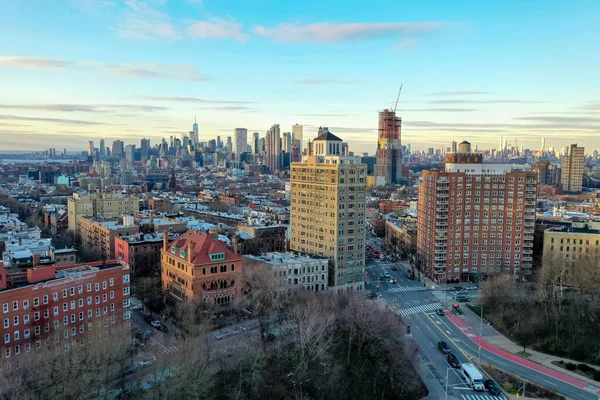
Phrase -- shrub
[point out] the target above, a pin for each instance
(570, 366)
(597, 376)
(585, 368)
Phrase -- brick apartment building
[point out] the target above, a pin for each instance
(198, 267)
(99, 235)
(141, 253)
(60, 305)
(475, 219)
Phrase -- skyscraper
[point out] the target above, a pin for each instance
(328, 210)
(240, 141)
(117, 148)
(102, 148)
(297, 131)
(572, 168)
(130, 153)
(389, 148)
(91, 148)
(547, 174)
(256, 143)
(286, 142)
(195, 137)
(273, 143)
(475, 219)
(229, 145)
(144, 149)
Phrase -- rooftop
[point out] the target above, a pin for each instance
(328, 136)
(201, 245)
(276, 258)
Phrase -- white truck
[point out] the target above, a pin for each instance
(472, 375)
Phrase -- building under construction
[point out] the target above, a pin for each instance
(389, 149)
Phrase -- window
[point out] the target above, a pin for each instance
(6, 323)
(5, 307)
(103, 284)
(126, 290)
(112, 294)
(15, 305)
(97, 299)
(81, 315)
(112, 306)
(80, 289)
(97, 287)
(65, 320)
(89, 287)
(25, 304)
(36, 302)
(46, 299)
(89, 300)
(73, 318)
(56, 324)
(17, 349)
(27, 333)
(112, 282)
(27, 347)
(90, 313)
(126, 278)
(126, 303)
(73, 331)
(80, 303)
(105, 310)
(7, 352)
(55, 296)
(16, 320)
(104, 298)
(26, 319)
(7, 338)
(65, 307)
(64, 293)
(72, 304)
(72, 291)
(36, 316)
(17, 335)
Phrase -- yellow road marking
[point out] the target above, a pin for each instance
(468, 357)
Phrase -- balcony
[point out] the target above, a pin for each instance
(527, 259)
(530, 195)
(440, 252)
(528, 237)
(527, 251)
(440, 271)
(440, 258)
(442, 202)
(442, 195)
(529, 231)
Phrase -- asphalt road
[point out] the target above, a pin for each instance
(417, 306)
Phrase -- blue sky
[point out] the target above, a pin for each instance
(74, 70)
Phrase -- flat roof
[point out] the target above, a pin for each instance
(277, 258)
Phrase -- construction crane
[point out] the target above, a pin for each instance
(397, 98)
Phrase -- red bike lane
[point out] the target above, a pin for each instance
(519, 360)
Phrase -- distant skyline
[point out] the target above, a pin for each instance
(79, 70)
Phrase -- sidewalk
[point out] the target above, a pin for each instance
(493, 337)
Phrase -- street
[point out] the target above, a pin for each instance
(416, 306)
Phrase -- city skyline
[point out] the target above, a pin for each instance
(468, 71)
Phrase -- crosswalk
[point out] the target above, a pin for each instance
(481, 396)
(417, 309)
(407, 289)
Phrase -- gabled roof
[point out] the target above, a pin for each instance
(329, 137)
(202, 245)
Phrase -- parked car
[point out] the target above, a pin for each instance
(382, 278)
(372, 295)
(149, 319)
(162, 328)
(440, 312)
(472, 287)
(444, 348)
(147, 361)
(492, 387)
(453, 361)
(155, 323)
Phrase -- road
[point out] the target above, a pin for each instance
(416, 307)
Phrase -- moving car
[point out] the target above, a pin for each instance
(472, 376)
(444, 348)
(440, 312)
(472, 287)
(393, 280)
(453, 361)
(147, 361)
(492, 387)
(382, 278)
(372, 295)
(394, 268)
(386, 274)
(155, 323)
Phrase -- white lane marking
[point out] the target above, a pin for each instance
(550, 383)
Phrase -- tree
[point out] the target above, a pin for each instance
(147, 288)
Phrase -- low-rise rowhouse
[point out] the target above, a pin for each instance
(403, 234)
(293, 271)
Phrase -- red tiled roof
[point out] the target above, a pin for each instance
(202, 245)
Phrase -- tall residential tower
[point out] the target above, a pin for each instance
(389, 148)
(572, 168)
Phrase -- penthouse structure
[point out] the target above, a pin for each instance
(475, 219)
(61, 305)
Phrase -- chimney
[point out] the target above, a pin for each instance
(36, 259)
(234, 241)
(165, 240)
(190, 249)
(213, 234)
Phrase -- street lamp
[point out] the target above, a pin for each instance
(480, 331)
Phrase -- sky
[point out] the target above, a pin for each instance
(79, 70)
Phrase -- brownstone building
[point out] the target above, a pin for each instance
(475, 219)
(197, 267)
(141, 253)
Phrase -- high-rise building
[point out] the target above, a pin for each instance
(297, 131)
(389, 148)
(572, 168)
(144, 149)
(130, 153)
(286, 142)
(104, 205)
(240, 141)
(454, 147)
(328, 210)
(547, 174)
(91, 148)
(273, 143)
(475, 219)
(262, 144)
(256, 143)
(102, 148)
(219, 143)
(229, 145)
(118, 148)
(194, 138)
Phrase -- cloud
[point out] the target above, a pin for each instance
(438, 110)
(545, 125)
(457, 93)
(322, 115)
(91, 108)
(462, 101)
(52, 120)
(192, 100)
(34, 62)
(93, 6)
(141, 21)
(230, 108)
(142, 70)
(322, 81)
(325, 32)
(219, 29)
(556, 119)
